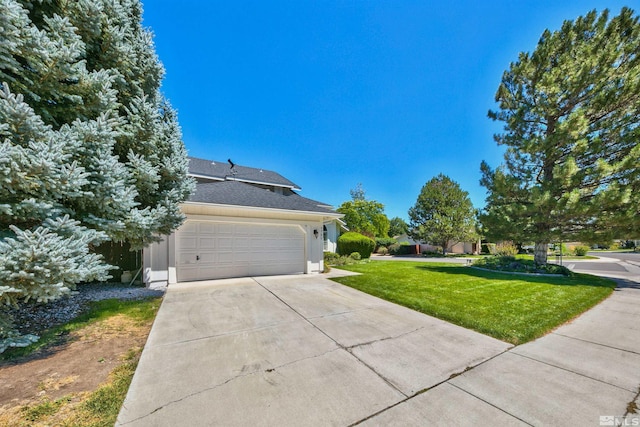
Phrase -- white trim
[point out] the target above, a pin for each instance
(213, 178)
(239, 219)
(231, 178)
(258, 209)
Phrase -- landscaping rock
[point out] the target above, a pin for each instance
(36, 317)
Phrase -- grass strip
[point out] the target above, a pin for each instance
(511, 308)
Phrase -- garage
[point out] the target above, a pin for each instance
(240, 222)
(221, 249)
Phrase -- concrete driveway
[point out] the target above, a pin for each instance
(297, 350)
(303, 350)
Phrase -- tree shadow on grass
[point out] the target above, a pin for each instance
(559, 280)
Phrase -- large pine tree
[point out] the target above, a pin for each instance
(571, 111)
(89, 149)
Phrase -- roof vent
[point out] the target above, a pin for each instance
(233, 167)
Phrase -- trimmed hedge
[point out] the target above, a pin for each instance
(384, 242)
(351, 242)
(402, 249)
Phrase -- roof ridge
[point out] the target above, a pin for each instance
(234, 163)
(213, 168)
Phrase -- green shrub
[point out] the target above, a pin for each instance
(432, 253)
(343, 260)
(506, 249)
(351, 242)
(331, 258)
(384, 242)
(355, 256)
(581, 250)
(507, 263)
(382, 250)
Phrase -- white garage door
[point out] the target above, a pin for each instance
(216, 250)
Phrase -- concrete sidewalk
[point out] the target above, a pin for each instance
(584, 370)
(302, 350)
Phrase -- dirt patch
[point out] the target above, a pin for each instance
(78, 366)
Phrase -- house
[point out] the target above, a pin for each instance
(453, 247)
(242, 221)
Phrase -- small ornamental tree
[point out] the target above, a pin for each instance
(443, 214)
(571, 115)
(89, 149)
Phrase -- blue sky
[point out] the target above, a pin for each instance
(335, 93)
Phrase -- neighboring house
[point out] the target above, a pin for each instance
(242, 221)
(454, 247)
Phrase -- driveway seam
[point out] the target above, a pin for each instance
(596, 343)
(225, 334)
(357, 310)
(384, 339)
(332, 339)
(569, 370)
(426, 390)
(631, 406)
(489, 403)
(190, 396)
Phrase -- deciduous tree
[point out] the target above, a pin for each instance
(364, 216)
(443, 214)
(397, 226)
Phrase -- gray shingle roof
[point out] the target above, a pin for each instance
(241, 194)
(222, 171)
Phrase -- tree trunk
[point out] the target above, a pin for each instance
(540, 253)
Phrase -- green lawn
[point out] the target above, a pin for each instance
(512, 308)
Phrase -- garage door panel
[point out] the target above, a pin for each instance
(206, 228)
(188, 242)
(207, 242)
(208, 258)
(227, 249)
(242, 243)
(187, 257)
(189, 228)
(223, 229)
(225, 243)
(225, 257)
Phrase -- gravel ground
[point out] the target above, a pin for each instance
(34, 318)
